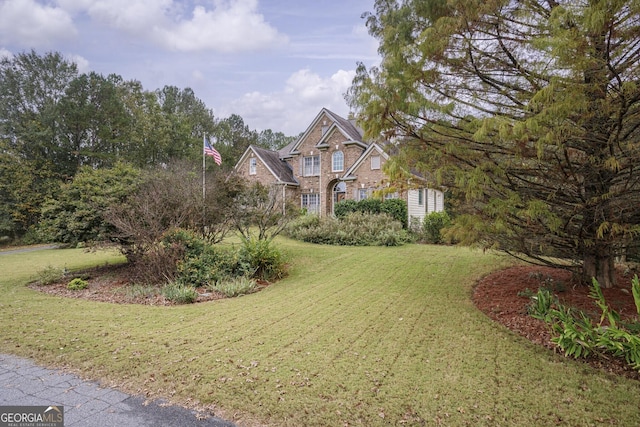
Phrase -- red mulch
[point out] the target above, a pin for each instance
(503, 297)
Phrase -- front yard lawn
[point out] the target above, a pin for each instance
(353, 336)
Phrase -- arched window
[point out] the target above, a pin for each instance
(337, 161)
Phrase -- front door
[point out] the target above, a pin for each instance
(339, 192)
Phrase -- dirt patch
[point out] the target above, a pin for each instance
(504, 296)
(113, 284)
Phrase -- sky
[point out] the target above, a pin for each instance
(276, 63)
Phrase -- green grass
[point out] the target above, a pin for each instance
(353, 336)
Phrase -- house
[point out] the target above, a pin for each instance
(330, 162)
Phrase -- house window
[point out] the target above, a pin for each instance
(362, 193)
(253, 164)
(375, 162)
(337, 161)
(311, 166)
(311, 203)
(420, 197)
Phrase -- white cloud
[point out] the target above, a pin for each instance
(27, 23)
(227, 26)
(231, 26)
(133, 16)
(292, 110)
(81, 62)
(4, 53)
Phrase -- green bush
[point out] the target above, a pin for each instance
(355, 229)
(77, 284)
(212, 265)
(396, 209)
(345, 207)
(236, 286)
(180, 294)
(370, 206)
(433, 225)
(267, 261)
(50, 275)
(301, 224)
(192, 244)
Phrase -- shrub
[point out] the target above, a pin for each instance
(355, 229)
(236, 286)
(396, 209)
(180, 294)
(345, 207)
(50, 275)
(371, 206)
(433, 225)
(267, 262)
(302, 223)
(77, 284)
(190, 242)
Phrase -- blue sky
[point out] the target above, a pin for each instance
(276, 63)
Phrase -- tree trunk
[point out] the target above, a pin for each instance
(598, 263)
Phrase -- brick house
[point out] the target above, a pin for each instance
(330, 162)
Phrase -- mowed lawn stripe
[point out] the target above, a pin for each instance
(370, 336)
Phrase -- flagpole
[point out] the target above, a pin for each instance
(204, 184)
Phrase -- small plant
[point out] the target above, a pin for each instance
(180, 294)
(526, 293)
(236, 286)
(77, 284)
(138, 291)
(50, 275)
(580, 336)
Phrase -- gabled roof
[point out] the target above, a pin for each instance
(271, 159)
(348, 127)
(373, 147)
(344, 126)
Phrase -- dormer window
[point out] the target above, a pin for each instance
(253, 165)
(325, 127)
(375, 162)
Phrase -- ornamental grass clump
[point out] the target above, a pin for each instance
(235, 287)
(50, 275)
(180, 294)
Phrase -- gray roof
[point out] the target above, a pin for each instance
(352, 131)
(279, 167)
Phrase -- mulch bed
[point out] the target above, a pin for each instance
(504, 296)
(113, 283)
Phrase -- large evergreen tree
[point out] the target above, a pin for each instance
(530, 108)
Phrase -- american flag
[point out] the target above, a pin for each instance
(210, 151)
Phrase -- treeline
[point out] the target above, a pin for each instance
(54, 121)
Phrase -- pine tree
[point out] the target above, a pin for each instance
(530, 109)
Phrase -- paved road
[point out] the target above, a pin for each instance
(86, 404)
(27, 249)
